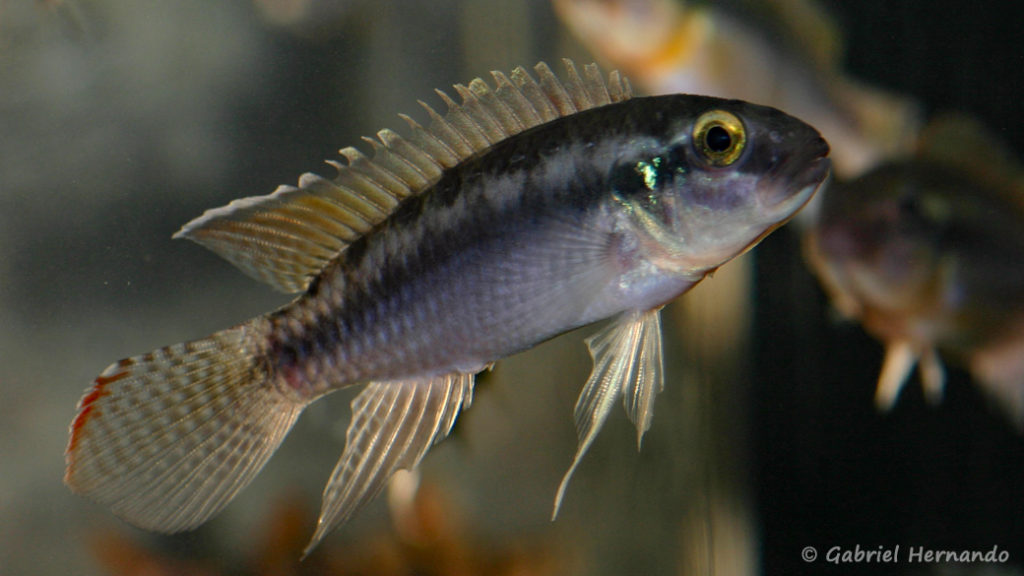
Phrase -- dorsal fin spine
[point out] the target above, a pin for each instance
(374, 198)
(501, 112)
(616, 91)
(360, 195)
(490, 128)
(535, 94)
(434, 150)
(561, 100)
(387, 181)
(446, 133)
(394, 164)
(507, 93)
(594, 85)
(413, 156)
(576, 89)
(459, 118)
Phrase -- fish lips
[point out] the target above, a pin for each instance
(793, 182)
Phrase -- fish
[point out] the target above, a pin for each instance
(782, 53)
(926, 253)
(534, 206)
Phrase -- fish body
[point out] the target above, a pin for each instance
(530, 226)
(782, 53)
(926, 253)
(528, 210)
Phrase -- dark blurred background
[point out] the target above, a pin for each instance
(830, 469)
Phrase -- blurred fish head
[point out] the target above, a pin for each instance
(719, 178)
(878, 239)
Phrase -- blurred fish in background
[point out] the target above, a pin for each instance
(928, 254)
(782, 53)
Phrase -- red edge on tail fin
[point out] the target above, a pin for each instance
(86, 410)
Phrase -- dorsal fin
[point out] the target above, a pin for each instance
(959, 140)
(286, 238)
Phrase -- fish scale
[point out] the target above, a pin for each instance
(527, 210)
(392, 293)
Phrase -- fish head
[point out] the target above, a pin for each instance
(878, 240)
(719, 177)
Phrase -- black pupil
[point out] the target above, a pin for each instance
(909, 207)
(718, 139)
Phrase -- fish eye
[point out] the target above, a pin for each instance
(719, 137)
(909, 206)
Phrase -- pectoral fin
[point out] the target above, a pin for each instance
(627, 363)
(393, 425)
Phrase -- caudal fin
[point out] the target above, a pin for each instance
(167, 439)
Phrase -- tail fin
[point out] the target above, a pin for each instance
(167, 439)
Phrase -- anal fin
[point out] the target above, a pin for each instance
(628, 364)
(900, 358)
(393, 425)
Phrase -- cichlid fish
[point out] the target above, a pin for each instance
(532, 207)
(927, 254)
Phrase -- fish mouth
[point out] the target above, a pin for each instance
(818, 164)
(798, 180)
(808, 166)
(793, 193)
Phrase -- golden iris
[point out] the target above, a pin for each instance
(719, 137)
